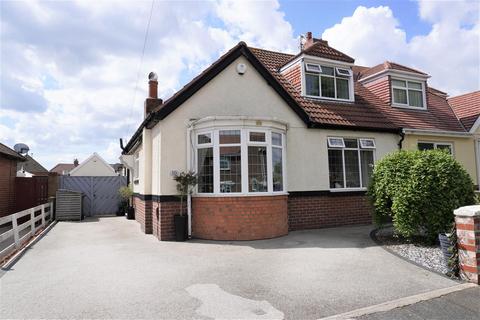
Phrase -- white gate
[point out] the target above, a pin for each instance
(101, 193)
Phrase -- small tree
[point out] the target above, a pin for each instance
(126, 193)
(186, 181)
(419, 190)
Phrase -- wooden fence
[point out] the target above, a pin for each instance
(21, 226)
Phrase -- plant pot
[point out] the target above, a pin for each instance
(180, 223)
(445, 245)
(131, 213)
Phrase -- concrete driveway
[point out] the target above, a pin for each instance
(107, 268)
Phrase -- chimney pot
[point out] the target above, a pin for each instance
(152, 102)
(153, 89)
(75, 162)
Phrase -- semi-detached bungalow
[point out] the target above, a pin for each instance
(282, 142)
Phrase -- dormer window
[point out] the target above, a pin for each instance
(406, 93)
(328, 82)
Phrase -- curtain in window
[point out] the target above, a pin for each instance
(342, 88)
(400, 96)
(415, 98)
(312, 87)
(328, 87)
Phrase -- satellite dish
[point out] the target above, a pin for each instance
(21, 148)
(152, 76)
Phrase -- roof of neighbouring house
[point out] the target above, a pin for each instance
(31, 165)
(10, 153)
(467, 108)
(60, 168)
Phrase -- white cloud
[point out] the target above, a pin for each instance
(450, 52)
(71, 67)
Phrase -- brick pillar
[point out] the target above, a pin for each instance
(467, 220)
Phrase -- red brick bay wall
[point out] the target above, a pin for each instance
(239, 218)
(143, 213)
(162, 217)
(322, 210)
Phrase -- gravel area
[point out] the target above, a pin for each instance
(430, 257)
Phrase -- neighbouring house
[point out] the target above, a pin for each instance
(282, 142)
(467, 109)
(9, 160)
(93, 166)
(31, 167)
(64, 169)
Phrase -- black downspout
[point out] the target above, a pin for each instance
(402, 137)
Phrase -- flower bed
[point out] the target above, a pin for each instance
(416, 250)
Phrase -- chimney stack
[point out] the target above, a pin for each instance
(152, 100)
(308, 40)
(75, 162)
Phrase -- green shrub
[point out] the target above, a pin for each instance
(419, 190)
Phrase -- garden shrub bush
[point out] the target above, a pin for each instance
(419, 190)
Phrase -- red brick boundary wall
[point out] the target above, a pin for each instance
(239, 218)
(323, 209)
(467, 220)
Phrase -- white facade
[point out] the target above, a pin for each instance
(93, 166)
(244, 101)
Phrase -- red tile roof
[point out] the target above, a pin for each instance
(387, 65)
(61, 167)
(466, 107)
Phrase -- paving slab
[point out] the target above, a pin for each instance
(106, 268)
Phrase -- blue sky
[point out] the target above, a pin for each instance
(69, 69)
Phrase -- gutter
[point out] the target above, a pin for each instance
(437, 133)
(138, 134)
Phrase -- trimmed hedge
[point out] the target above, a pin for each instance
(419, 190)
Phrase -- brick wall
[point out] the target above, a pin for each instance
(8, 171)
(294, 76)
(143, 213)
(162, 219)
(239, 218)
(381, 88)
(467, 221)
(322, 210)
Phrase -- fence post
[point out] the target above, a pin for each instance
(32, 221)
(43, 215)
(16, 236)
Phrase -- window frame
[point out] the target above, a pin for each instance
(136, 167)
(359, 149)
(307, 68)
(351, 93)
(361, 140)
(436, 143)
(244, 144)
(406, 89)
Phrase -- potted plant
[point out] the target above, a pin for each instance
(186, 181)
(126, 194)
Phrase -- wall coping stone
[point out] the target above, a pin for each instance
(468, 211)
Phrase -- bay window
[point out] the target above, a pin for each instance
(350, 162)
(328, 82)
(240, 161)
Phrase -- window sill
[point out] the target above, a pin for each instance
(259, 194)
(401, 106)
(316, 98)
(347, 189)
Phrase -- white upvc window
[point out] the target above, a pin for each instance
(350, 166)
(407, 93)
(136, 166)
(328, 82)
(429, 145)
(239, 161)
